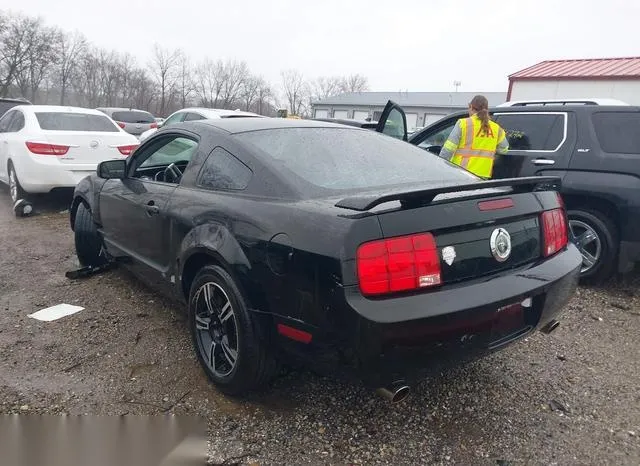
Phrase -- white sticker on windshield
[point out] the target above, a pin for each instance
(55, 312)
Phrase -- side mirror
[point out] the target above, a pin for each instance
(112, 169)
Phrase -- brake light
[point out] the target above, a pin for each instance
(127, 150)
(43, 148)
(153, 125)
(497, 204)
(398, 264)
(554, 226)
(121, 124)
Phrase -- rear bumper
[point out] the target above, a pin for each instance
(41, 176)
(404, 336)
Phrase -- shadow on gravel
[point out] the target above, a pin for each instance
(53, 202)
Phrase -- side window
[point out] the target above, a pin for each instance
(439, 137)
(5, 121)
(618, 132)
(17, 123)
(533, 131)
(222, 171)
(175, 118)
(394, 126)
(193, 117)
(152, 161)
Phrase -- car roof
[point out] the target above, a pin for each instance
(240, 125)
(343, 121)
(120, 109)
(58, 109)
(19, 100)
(216, 112)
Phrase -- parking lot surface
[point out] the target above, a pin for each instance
(571, 397)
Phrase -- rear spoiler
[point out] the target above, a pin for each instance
(425, 196)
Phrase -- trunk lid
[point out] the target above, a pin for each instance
(469, 225)
(89, 147)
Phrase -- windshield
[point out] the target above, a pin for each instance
(133, 116)
(60, 121)
(349, 159)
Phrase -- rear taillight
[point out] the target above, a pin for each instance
(121, 124)
(153, 125)
(43, 148)
(554, 227)
(127, 150)
(398, 264)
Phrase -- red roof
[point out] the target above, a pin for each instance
(604, 68)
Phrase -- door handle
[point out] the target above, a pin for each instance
(152, 208)
(543, 161)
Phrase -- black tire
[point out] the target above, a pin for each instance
(607, 240)
(88, 241)
(15, 190)
(255, 365)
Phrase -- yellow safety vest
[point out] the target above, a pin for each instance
(476, 149)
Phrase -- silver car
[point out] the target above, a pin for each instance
(131, 120)
(199, 113)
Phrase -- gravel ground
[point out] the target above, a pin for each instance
(567, 398)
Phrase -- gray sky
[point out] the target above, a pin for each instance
(418, 45)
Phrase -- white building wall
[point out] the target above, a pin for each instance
(628, 90)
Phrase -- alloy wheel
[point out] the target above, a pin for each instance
(588, 243)
(216, 329)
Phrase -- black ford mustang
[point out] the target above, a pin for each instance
(341, 245)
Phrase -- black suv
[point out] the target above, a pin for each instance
(594, 149)
(7, 103)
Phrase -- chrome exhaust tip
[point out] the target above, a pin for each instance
(550, 327)
(395, 393)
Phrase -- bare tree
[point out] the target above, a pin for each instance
(250, 91)
(41, 55)
(126, 67)
(264, 98)
(324, 87)
(354, 83)
(209, 82)
(233, 76)
(87, 82)
(19, 36)
(164, 67)
(72, 46)
(296, 91)
(109, 76)
(185, 79)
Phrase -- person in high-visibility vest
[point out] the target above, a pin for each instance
(475, 140)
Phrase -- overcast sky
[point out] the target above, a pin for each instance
(415, 45)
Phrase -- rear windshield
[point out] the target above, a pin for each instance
(347, 159)
(60, 121)
(132, 116)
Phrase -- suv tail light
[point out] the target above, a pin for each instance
(43, 148)
(398, 264)
(554, 227)
(127, 150)
(121, 124)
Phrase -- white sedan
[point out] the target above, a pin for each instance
(199, 113)
(43, 147)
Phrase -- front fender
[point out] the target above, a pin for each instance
(87, 191)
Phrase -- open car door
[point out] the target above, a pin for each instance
(393, 121)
